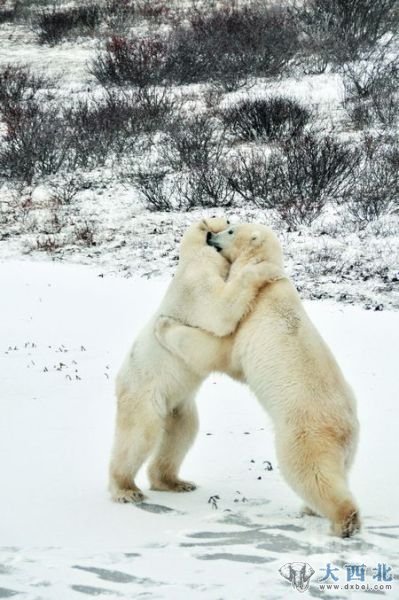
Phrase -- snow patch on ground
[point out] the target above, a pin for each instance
(63, 333)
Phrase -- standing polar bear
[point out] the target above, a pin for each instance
(293, 374)
(156, 412)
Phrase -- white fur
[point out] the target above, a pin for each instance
(294, 375)
(156, 412)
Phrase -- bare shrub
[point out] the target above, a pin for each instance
(376, 71)
(375, 192)
(65, 189)
(98, 128)
(120, 7)
(191, 144)
(44, 136)
(34, 144)
(19, 85)
(131, 61)
(54, 25)
(154, 9)
(193, 151)
(157, 106)
(371, 89)
(338, 31)
(268, 119)
(228, 44)
(297, 180)
(48, 242)
(7, 13)
(122, 14)
(310, 172)
(84, 233)
(152, 186)
(213, 186)
(212, 97)
(204, 187)
(249, 175)
(115, 124)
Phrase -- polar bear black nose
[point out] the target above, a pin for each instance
(208, 236)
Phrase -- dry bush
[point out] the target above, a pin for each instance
(249, 175)
(339, 31)
(152, 186)
(204, 187)
(131, 61)
(19, 85)
(52, 26)
(33, 145)
(372, 88)
(310, 172)
(7, 13)
(191, 143)
(230, 44)
(375, 192)
(271, 119)
(298, 179)
(225, 44)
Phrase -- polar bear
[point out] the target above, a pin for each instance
(156, 413)
(294, 375)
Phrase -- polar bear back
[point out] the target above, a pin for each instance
(285, 359)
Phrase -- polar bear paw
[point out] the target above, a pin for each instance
(164, 322)
(162, 325)
(309, 512)
(348, 524)
(128, 496)
(263, 272)
(175, 485)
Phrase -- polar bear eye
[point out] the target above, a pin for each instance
(230, 232)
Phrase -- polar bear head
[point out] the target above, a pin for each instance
(196, 235)
(248, 241)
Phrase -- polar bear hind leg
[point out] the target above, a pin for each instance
(138, 428)
(178, 433)
(319, 476)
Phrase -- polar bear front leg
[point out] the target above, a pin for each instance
(231, 301)
(199, 350)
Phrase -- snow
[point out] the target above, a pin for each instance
(63, 332)
(64, 329)
(332, 259)
(67, 61)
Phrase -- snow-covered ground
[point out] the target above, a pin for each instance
(63, 332)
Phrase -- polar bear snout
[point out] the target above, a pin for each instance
(211, 240)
